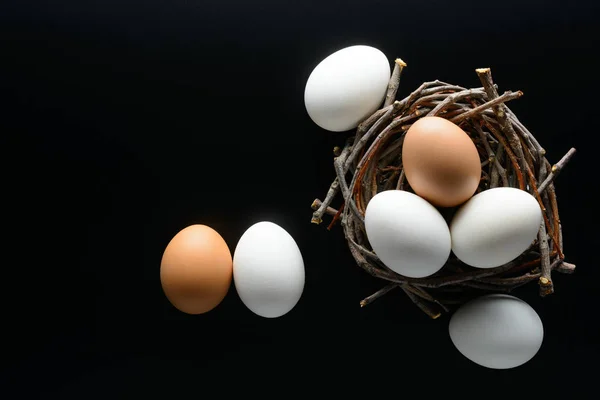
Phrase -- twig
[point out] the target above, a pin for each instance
(336, 217)
(556, 168)
(452, 98)
(512, 283)
(400, 184)
(546, 285)
(550, 193)
(359, 145)
(498, 172)
(378, 294)
(438, 95)
(497, 167)
(492, 103)
(323, 207)
(560, 238)
(426, 296)
(419, 92)
(364, 162)
(337, 165)
(394, 83)
(317, 216)
(317, 203)
(514, 160)
(485, 76)
(429, 310)
(525, 133)
(565, 268)
(475, 284)
(364, 126)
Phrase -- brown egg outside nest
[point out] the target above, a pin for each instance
(440, 161)
(196, 269)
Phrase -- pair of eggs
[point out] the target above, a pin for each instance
(267, 269)
(412, 238)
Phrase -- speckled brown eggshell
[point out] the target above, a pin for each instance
(441, 162)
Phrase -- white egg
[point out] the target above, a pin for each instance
(408, 234)
(495, 226)
(347, 87)
(497, 331)
(268, 270)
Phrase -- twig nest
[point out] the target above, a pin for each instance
(460, 172)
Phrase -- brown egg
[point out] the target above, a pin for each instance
(196, 269)
(441, 162)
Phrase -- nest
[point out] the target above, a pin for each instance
(371, 162)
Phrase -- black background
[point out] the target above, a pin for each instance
(124, 121)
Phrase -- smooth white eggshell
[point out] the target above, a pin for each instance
(408, 234)
(347, 87)
(495, 226)
(497, 331)
(268, 270)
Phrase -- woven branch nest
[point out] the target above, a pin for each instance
(371, 162)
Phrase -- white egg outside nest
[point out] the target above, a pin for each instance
(346, 87)
(268, 270)
(497, 331)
